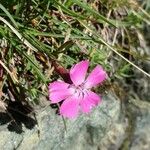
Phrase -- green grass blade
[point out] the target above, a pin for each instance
(92, 11)
(9, 15)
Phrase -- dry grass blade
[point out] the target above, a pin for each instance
(3, 106)
(115, 51)
(9, 72)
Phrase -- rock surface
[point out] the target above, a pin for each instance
(104, 129)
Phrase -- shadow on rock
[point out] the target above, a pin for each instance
(16, 116)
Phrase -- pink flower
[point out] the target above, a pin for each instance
(78, 95)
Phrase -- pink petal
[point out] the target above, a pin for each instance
(95, 77)
(70, 107)
(78, 72)
(59, 91)
(57, 85)
(90, 100)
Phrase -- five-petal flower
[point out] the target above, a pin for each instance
(78, 95)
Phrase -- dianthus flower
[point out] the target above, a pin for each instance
(77, 97)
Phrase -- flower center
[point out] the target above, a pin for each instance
(79, 91)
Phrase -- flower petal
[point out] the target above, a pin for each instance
(57, 85)
(78, 72)
(95, 77)
(59, 91)
(70, 107)
(90, 100)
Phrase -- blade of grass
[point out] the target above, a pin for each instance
(92, 11)
(33, 63)
(44, 34)
(115, 51)
(69, 12)
(141, 17)
(9, 72)
(28, 44)
(9, 15)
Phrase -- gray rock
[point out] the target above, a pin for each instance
(141, 135)
(104, 129)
